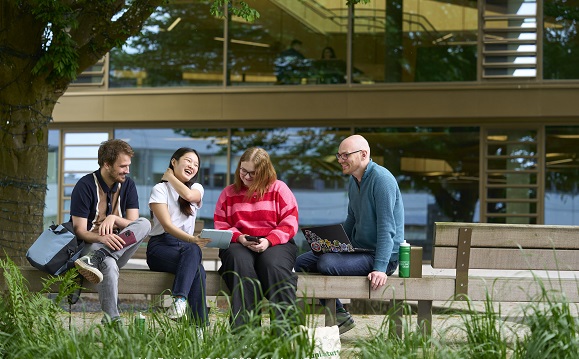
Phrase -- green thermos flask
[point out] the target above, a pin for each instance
(404, 260)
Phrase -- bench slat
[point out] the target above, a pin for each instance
(319, 286)
(515, 259)
(425, 288)
(508, 235)
(143, 281)
(520, 289)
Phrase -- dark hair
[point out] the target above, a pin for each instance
(295, 42)
(110, 150)
(184, 205)
(332, 52)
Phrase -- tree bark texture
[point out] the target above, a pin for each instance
(34, 73)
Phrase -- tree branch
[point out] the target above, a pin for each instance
(115, 31)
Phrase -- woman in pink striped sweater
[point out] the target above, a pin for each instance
(262, 212)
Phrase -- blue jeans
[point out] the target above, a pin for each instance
(339, 264)
(166, 253)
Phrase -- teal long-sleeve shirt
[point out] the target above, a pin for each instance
(376, 214)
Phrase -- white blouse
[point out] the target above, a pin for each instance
(165, 193)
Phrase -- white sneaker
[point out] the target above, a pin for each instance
(199, 333)
(177, 309)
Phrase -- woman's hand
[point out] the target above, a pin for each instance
(168, 173)
(201, 242)
(257, 246)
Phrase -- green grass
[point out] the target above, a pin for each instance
(34, 326)
(547, 329)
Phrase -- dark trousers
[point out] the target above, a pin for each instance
(250, 276)
(166, 253)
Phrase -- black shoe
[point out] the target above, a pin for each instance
(345, 320)
(89, 266)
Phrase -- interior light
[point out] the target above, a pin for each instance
(242, 42)
(177, 20)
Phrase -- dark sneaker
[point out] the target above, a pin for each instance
(344, 320)
(114, 322)
(88, 266)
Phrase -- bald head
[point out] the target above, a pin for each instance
(355, 143)
(355, 156)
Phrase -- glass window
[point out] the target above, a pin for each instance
(293, 42)
(562, 176)
(511, 180)
(438, 173)
(415, 41)
(510, 39)
(561, 39)
(52, 179)
(92, 76)
(154, 148)
(178, 46)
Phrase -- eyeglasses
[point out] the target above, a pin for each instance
(245, 172)
(344, 156)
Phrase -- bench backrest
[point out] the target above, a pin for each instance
(505, 246)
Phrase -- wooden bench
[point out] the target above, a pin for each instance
(469, 260)
(144, 281)
(500, 262)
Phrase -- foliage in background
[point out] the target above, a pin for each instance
(44, 46)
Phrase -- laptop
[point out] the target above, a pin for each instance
(330, 239)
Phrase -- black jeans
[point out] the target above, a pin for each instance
(250, 276)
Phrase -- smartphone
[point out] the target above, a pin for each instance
(128, 237)
(252, 238)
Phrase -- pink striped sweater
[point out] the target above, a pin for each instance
(275, 216)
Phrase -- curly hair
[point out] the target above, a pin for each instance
(110, 150)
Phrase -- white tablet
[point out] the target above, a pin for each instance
(219, 238)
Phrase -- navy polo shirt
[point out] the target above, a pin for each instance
(92, 199)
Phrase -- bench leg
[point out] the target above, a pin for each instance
(425, 317)
(330, 318)
(395, 311)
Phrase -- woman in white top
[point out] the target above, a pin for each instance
(173, 248)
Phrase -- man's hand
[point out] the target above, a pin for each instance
(108, 225)
(112, 241)
(377, 279)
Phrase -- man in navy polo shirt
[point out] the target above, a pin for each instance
(104, 209)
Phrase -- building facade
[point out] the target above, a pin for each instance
(473, 105)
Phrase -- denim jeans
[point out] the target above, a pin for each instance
(166, 253)
(108, 289)
(339, 264)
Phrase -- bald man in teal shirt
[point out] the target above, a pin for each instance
(375, 221)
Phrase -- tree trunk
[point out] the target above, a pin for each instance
(25, 111)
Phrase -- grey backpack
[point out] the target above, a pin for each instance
(56, 249)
